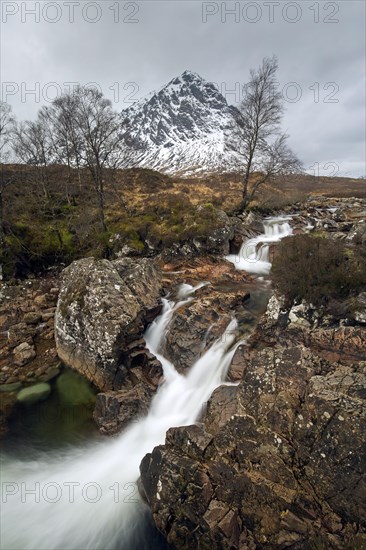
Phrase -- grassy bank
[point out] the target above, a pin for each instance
(51, 217)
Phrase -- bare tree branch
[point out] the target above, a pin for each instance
(264, 149)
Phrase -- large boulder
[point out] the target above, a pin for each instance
(102, 310)
(279, 461)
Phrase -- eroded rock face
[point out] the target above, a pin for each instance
(100, 315)
(197, 324)
(273, 465)
(115, 409)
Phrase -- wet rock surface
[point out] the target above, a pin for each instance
(114, 410)
(273, 465)
(279, 460)
(198, 323)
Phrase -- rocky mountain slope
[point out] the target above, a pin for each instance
(185, 128)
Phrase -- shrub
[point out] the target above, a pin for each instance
(35, 247)
(317, 269)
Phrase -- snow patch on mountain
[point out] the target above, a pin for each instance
(185, 128)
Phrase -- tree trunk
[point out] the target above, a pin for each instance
(2, 234)
(244, 201)
(100, 195)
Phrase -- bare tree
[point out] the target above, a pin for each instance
(65, 135)
(264, 148)
(7, 122)
(6, 125)
(99, 128)
(32, 145)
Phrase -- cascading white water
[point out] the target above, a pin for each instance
(253, 256)
(87, 498)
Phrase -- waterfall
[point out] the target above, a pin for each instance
(87, 498)
(253, 256)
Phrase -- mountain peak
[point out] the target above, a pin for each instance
(186, 76)
(188, 80)
(190, 75)
(185, 127)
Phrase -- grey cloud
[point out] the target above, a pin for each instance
(171, 37)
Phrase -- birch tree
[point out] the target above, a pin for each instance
(263, 145)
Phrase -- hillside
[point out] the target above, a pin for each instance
(148, 211)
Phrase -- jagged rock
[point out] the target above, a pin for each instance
(100, 311)
(273, 465)
(114, 410)
(348, 342)
(238, 364)
(298, 315)
(220, 408)
(23, 354)
(198, 323)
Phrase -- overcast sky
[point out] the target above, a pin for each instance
(132, 48)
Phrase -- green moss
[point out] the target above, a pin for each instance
(38, 246)
(49, 231)
(73, 389)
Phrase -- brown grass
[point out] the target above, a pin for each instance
(43, 231)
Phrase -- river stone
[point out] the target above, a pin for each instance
(33, 394)
(10, 387)
(23, 354)
(32, 318)
(74, 390)
(50, 374)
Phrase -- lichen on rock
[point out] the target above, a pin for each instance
(100, 312)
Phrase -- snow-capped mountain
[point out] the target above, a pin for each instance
(185, 128)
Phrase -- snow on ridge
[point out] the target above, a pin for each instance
(185, 126)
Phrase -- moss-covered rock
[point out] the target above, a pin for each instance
(33, 394)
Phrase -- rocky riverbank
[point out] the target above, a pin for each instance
(278, 460)
(28, 350)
